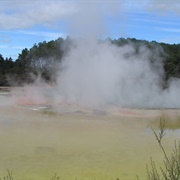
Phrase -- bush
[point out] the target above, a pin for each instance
(171, 170)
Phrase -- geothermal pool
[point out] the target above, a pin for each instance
(74, 142)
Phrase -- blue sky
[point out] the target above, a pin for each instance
(26, 22)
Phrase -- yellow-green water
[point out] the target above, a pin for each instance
(36, 145)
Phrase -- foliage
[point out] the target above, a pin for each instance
(43, 59)
(9, 176)
(171, 170)
(55, 177)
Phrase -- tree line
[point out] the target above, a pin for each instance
(43, 60)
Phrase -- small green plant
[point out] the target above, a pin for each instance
(9, 176)
(55, 177)
(171, 170)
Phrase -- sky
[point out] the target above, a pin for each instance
(26, 22)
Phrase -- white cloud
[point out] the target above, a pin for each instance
(24, 14)
(174, 30)
(171, 40)
(164, 6)
(91, 17)
(49, 35)
(21, 14)
(35, 33)
(159, 6)
(18, 14)
(11, 47)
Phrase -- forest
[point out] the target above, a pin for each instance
(43, 59)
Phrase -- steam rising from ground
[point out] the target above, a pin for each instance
(98, 74)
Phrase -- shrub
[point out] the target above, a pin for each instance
(171, 169)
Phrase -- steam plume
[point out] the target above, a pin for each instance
(101, 74)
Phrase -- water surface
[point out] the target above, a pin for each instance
(37, 142)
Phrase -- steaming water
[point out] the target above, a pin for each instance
(80, 143)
